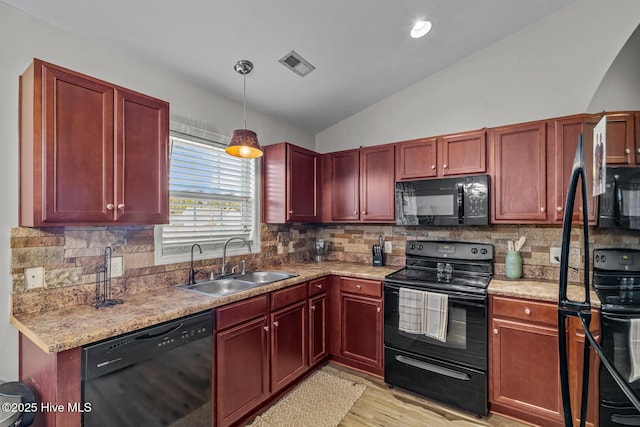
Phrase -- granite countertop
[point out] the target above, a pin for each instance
(63, 329)
(69, 327)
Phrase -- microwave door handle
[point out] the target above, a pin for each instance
(460, 203)
(617, 202)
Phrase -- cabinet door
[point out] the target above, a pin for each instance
(361, 328)
(242, 370)
(377, 184)
(345, 187)
(288, 344)
(575, 356)
(520, 184)
(142, 142)
(302, 178)
(77, 157)
(620, 139)
(525, 379)
(416, 159)
(464, 153)
(565, 141)
(317, 328)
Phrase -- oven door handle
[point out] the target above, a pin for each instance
(434, 368)
(452, 295)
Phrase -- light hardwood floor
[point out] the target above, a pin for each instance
(382, 406)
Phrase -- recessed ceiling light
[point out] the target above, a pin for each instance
(420, 29)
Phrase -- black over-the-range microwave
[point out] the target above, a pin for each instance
(443, 201)
(620, 202)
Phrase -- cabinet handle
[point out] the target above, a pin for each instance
(378, 309)
(355, 212)
(444, 166)
(121, 206)
(275, 323)
(542, 209)
(638, 150)
(291, 211)
(319, 286)
(495, 331)
(266, 328)
(313, 307)
(627, 151)
(559, 208)
(527, 311)
(364, 212)
(111, 206)
(433, 166)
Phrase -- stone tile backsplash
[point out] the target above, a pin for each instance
(70, 256)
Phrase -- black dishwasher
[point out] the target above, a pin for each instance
(157, 376)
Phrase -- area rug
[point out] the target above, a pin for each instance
(322, 400)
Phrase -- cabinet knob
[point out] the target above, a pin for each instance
(495, 331)
(266, 328)
(358, 287)
(542, 209)
(445, 166)
(111, 206)
(527, 311)
(378, 309)
(355, 212)
(313, 307)
(319, 286)
(291, 211)
(275, 323)
(121, 206)
(627, 151)
(638, 151)
(559, 208)
(364, 212)
(433, 166)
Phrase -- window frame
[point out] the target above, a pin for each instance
(235, 247)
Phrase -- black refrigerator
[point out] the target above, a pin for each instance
(581, 309)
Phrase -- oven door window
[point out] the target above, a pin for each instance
(466, 340)
(616, 345)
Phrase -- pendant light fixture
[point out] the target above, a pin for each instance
(244, 142)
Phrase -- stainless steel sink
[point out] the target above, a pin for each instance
(264, 277)
(219, 287)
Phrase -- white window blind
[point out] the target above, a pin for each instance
(212, 196)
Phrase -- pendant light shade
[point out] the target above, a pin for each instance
(244, 142)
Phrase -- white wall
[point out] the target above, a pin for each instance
(22, 38)
(552, 68)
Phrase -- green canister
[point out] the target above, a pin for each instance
(513, 265)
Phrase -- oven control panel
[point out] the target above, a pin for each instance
(455, 250)
(616, 259)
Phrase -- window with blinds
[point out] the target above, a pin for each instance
(212, 197)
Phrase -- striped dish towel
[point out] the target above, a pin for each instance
(411, 310)
(634, 349)
(436, 316)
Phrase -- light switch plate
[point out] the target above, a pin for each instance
(34, 277)
(554, 256)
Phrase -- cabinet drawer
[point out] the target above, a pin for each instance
(318, 286)
(532, 311)
(361, 286)
(233, 314)
(284, 297)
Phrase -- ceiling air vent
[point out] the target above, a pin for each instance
(297, 63)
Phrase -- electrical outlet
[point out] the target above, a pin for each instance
(116, 266)
(388, 248)
(554, 256)
(34, 277)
